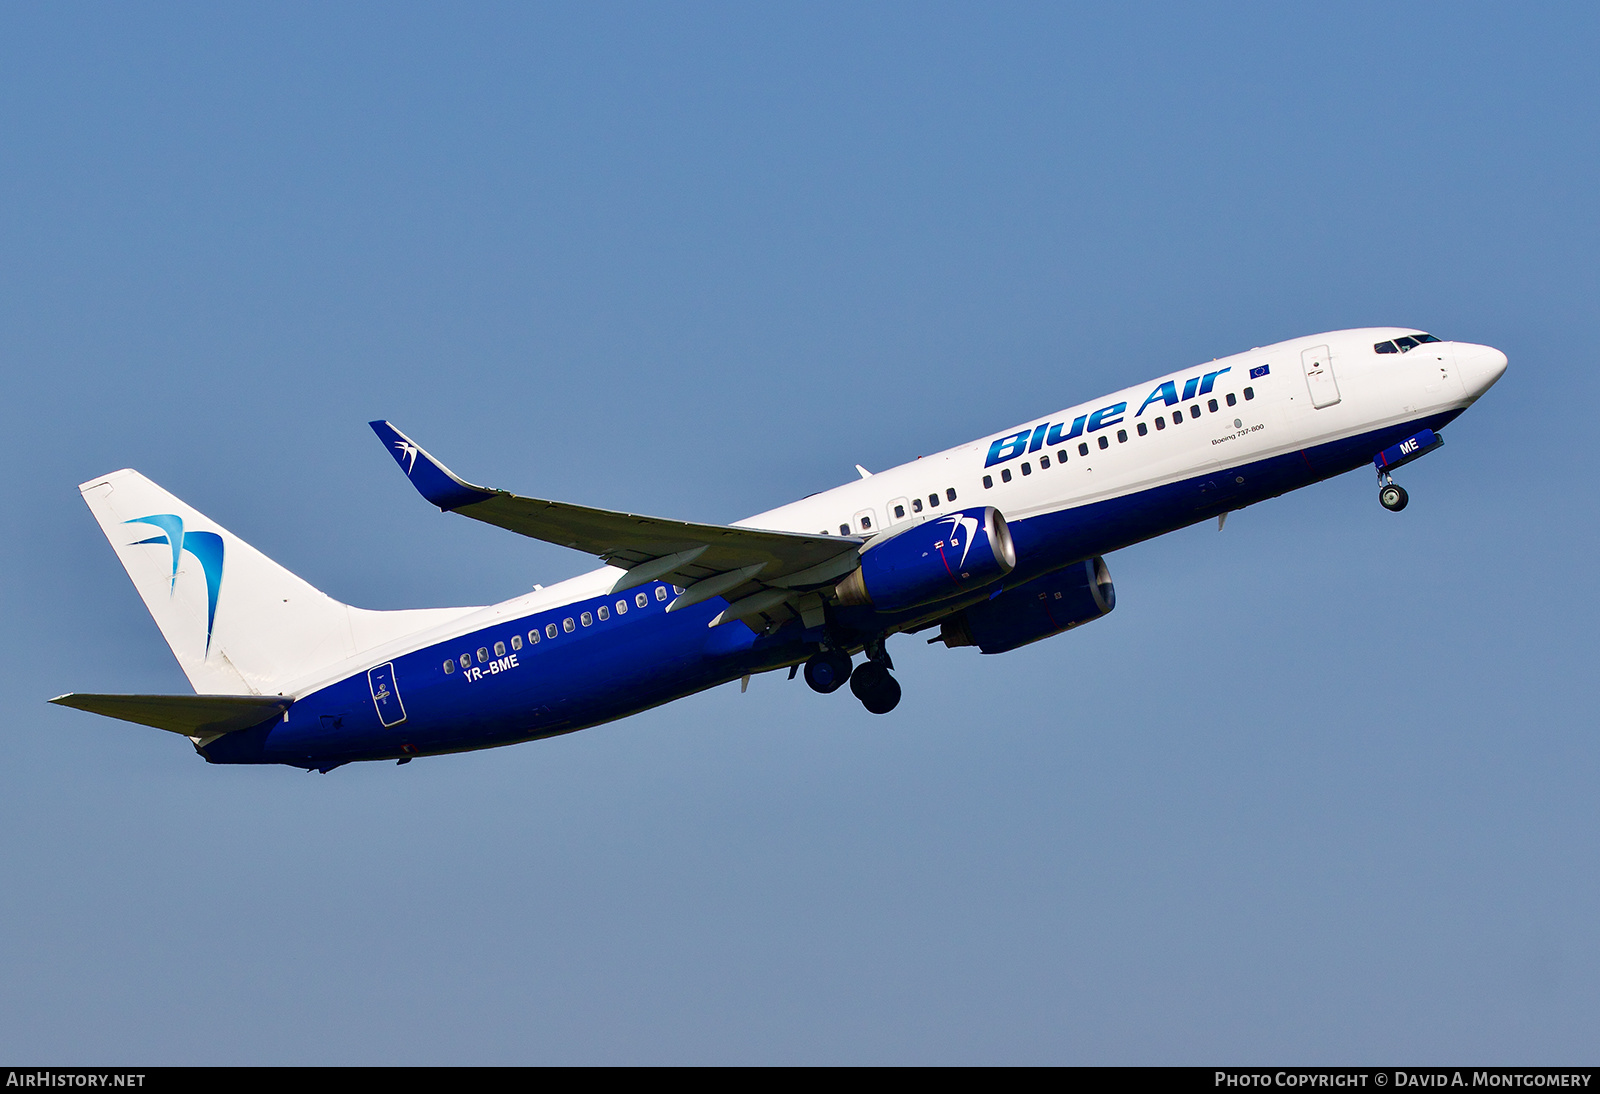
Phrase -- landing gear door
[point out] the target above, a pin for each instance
(386, 695)
(1318, 365)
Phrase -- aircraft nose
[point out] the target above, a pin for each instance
(1480, 367)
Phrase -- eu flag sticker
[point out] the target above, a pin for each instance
(1257, 373)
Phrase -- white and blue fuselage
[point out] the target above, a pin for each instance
(1070, 487)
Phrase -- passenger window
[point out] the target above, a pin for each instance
(1104, 444)
(622, 607)
(551, 629)
(950, 493)
(1232, 399)
(516, 641)
(604, 613)
(499, 649)
(1122, 436)
(1385, 347)
(678, 589)
(1044, 462)
(1083, 448)
(1194, 411)
(1027, 468)
(1061, 457)
(1249, 393)
(1161, 423)
(899, 512)
(866, 523)
(466, 660)
(933, 500)
(988, 483)
(844, 529)
(483, 654)
(533, 637)
(1212, 406)
(642, 599)
(568, 625)
(587, 618)
(1177, 416)
(661, 592)
(1143, 429)
(916, 505)
(449, 667)
(1005, 474)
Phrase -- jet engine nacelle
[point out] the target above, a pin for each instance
(932, 561)
(1044, 606)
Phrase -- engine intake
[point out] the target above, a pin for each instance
(932, 561)
(1038, 609)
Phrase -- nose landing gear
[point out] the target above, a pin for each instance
(1391, 495)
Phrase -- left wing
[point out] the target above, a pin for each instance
(760, 572)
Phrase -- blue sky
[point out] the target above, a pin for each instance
(1320, 790)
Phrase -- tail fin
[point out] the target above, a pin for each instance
(236, 621)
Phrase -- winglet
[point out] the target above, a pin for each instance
(433, 480)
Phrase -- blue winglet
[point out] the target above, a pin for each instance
(433, 480)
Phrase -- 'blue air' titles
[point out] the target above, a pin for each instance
(1032, 440)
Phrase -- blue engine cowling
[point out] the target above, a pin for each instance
(932, 561)
(1044, 606)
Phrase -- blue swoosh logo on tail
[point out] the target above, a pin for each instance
(207, 549)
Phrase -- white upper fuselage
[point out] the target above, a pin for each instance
(1210, 415)
(1374, 390)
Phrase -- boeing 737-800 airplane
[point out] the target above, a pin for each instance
(997, 543)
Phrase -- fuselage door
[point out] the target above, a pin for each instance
(1318, 365)
(386, 695)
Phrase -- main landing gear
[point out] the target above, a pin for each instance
(827, 671)
(878, 691)
(871, 682)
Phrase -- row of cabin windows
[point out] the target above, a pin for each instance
(568, 625)
(1122, 437)
(865, 519)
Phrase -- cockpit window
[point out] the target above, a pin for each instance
(1404, 344)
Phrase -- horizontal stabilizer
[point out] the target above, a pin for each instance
(190, 715)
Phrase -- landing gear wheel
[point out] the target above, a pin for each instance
(827, 671)
(877, 689)
(1393, 497)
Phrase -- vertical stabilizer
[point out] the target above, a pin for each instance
(237, 622)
